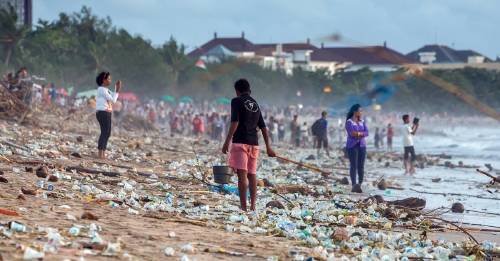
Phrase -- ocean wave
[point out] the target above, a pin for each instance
(493, 148)
(450, 146)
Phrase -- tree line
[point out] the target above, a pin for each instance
(72, 49)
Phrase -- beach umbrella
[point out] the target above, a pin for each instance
(223, 100)
(200, 64)
(186, 99)
(87, 94)
(168, 98)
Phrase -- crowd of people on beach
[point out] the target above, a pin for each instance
(298, 126)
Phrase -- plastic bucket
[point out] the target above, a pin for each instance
(222, 174)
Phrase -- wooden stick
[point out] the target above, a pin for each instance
(93, 171)
(8, 143)
(285, 198)
(5, 158)
(495, 179)
(457, 226)
(307, 166)
(453, 194)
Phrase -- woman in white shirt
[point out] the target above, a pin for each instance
(104, 106)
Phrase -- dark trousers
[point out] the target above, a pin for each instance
(104, 119)
(409, 153)
(321, 142)
(357, 155)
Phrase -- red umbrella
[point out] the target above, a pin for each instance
(128, 96)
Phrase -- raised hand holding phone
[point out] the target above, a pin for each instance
(118, 86)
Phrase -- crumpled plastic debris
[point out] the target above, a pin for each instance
(30, 254)
(188, 248)
(169, 251)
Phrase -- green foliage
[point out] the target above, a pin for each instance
(12, 34)
(72, 49)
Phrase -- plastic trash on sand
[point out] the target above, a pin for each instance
(17, 227)
(169, 251)
(54, 241)
(74, 231)
(30, 254)
(112, 249)
(188, 248)
(133, 211)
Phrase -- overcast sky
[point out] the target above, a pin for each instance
(405, 25)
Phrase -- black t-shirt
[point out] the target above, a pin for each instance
(246, 111)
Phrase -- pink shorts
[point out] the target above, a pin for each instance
(243, 157)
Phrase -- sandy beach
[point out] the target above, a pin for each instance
(147, 169)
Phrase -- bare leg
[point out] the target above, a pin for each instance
(252, 185)
(407, 167)
(242, 188)
(412, 167)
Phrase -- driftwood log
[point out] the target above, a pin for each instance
(11, 107)
(92, 171)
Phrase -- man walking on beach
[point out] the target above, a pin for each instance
(246, 117)
(295, 131)
(390, 134)
(376, 139)
(409, 151)
(320, 132)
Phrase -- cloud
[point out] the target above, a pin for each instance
(405, 25)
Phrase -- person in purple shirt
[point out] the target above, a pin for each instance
(356, 146)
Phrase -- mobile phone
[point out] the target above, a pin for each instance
(416, 120)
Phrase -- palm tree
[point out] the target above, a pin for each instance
(176, 59)
(12, 32)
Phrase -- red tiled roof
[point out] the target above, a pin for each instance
(268, 49)
(360, 55)
(233, 44)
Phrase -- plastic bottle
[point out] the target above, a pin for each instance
(133, 211)
(40, 183)
(31, 253)
(74, 231)
(235, 218)
(306, 213)
(54, 241)
(286, 225)
(17, 227)
(169, 199)
(489, 246)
